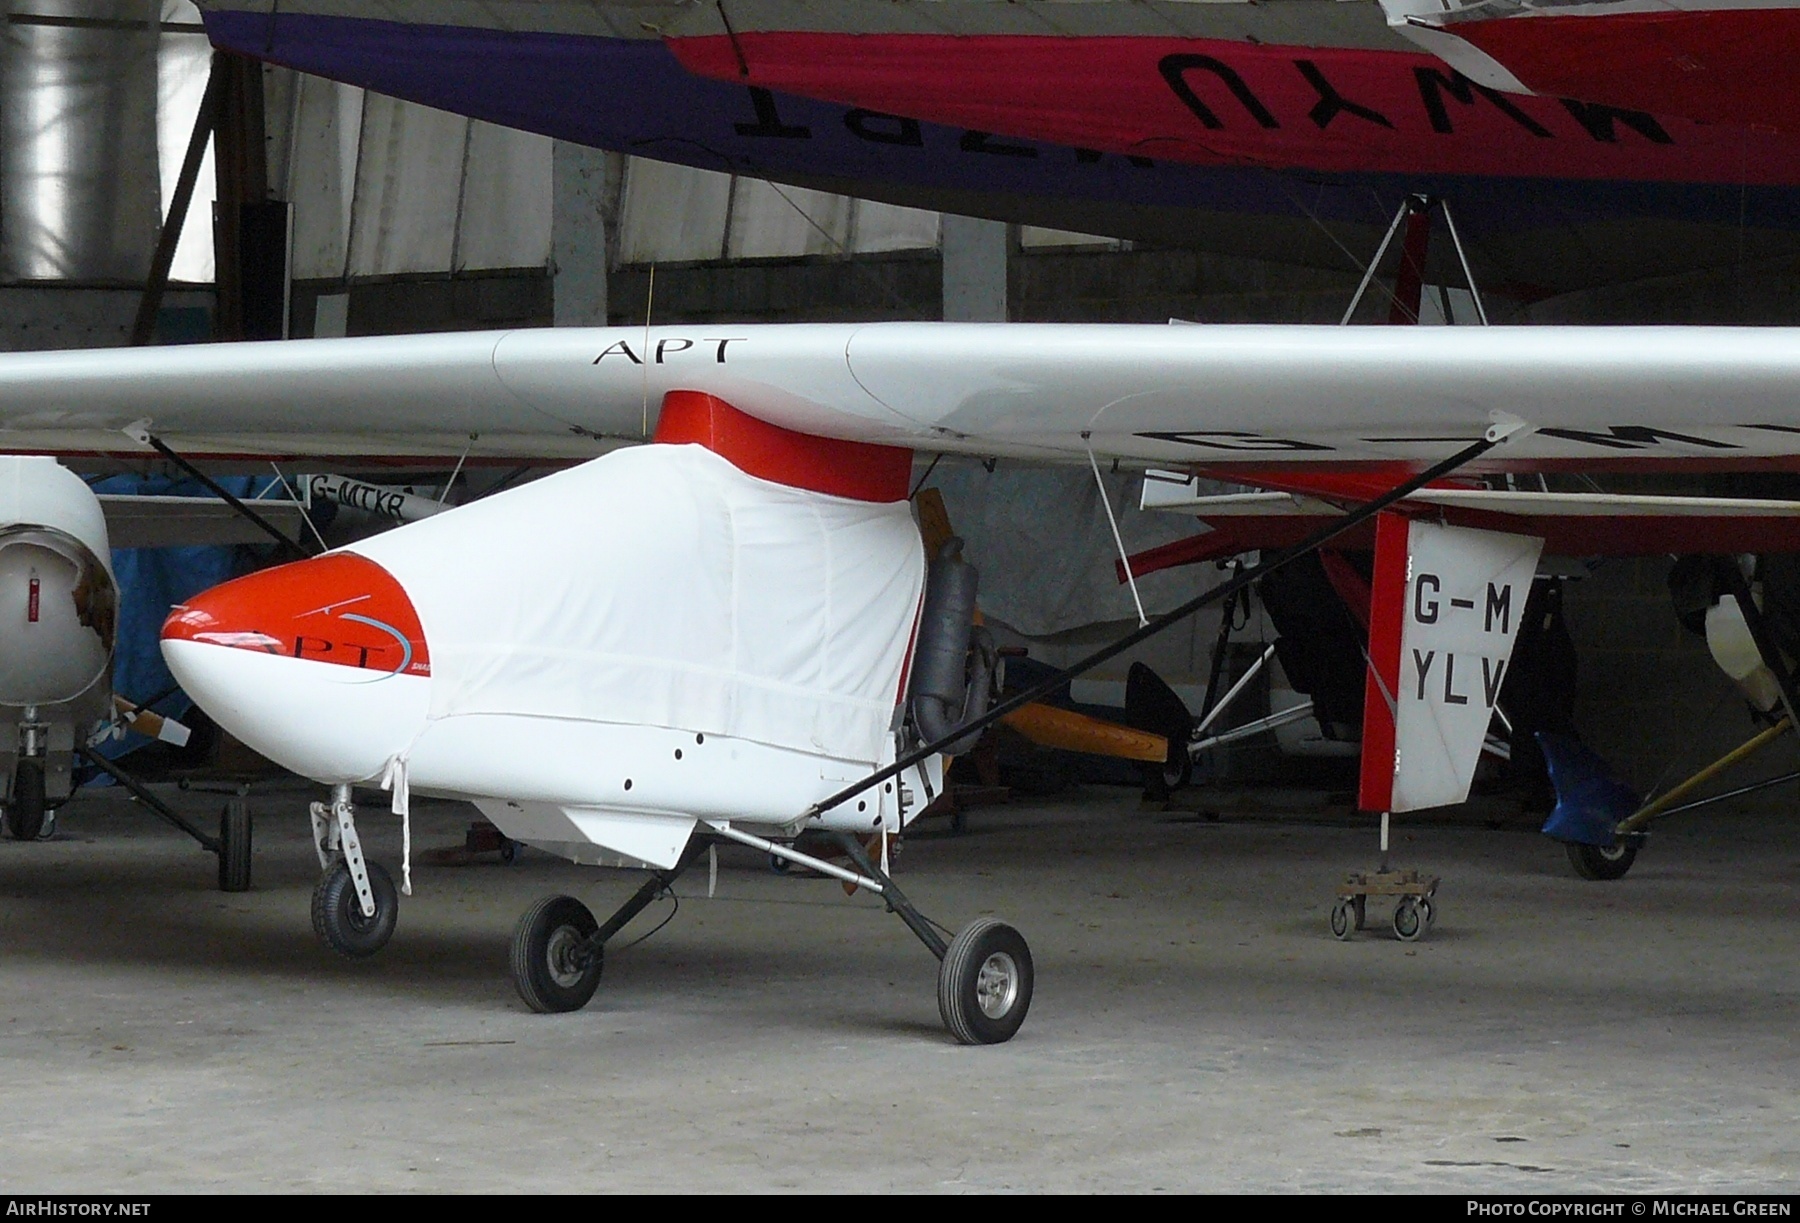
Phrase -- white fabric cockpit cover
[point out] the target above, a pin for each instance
(662, 586)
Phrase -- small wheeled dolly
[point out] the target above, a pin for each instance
(1413, 912)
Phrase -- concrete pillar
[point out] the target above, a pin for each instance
(975, 258)
(586, 188)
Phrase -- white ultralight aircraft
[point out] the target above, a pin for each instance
(732, 635)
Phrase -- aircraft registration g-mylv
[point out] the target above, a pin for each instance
(733, 633)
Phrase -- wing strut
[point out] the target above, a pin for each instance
(1496, 434)
(141, 434)
(1415, 211)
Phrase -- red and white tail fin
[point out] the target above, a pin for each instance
(1445, 611)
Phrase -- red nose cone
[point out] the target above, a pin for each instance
(340, 608)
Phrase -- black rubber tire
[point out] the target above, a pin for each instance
(960, 984)
(1409, 920)
(234, 847)
(25, 813)
(337, 914)
(1343, 921)
(1600, 865)
(548, 982)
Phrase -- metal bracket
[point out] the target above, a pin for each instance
(344, 814)
(334, 832)
(324, 834)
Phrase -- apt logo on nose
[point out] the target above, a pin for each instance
(341, 608)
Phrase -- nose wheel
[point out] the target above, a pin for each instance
(355, 905)
(25, 813)
(337, 912)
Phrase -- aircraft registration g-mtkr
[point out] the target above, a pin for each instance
(734, 634)
(1288, 128)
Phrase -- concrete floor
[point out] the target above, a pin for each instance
(1195, 1026)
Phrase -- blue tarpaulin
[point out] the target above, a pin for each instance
(151, 580)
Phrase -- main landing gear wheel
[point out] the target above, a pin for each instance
(337, 914)
(984, 983)
(234, 851)
(551, 966)
(1602, 862)
(25, 813)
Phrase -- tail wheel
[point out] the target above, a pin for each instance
(25, 813)
(1602, 862)
(552, 968)
(985, 983)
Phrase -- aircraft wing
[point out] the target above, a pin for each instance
(1289, 83)
(1165, 122)
(1570, 524)
(1711, 60)
(1174, 396)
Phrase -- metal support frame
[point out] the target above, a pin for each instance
(125, 778)
(1494, 436)
(872, 878)
(143, 435)
(896, 901)
(658, 883)
(787, 853)
(143, 328)
(1236, 691)
(1294, 713)
(1410, 205)
(1738, 588)
(1663, 804)
(334, 828)
(1216, 673)
(1739, 792)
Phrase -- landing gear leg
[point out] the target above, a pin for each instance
(559, 950)
(985, 975)
(355, 905)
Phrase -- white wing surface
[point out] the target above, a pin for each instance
(1261, 395)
